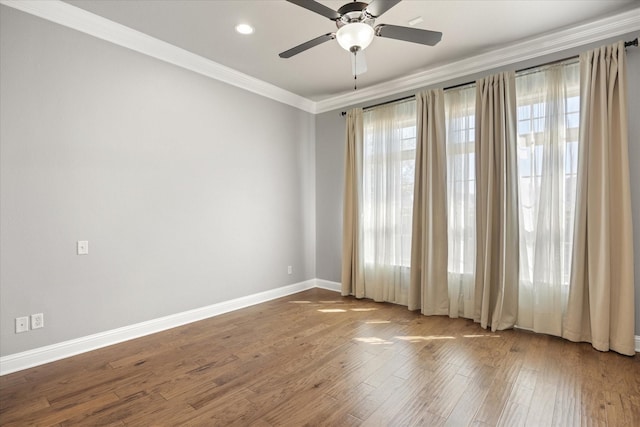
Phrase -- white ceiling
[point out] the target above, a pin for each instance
(470, 27)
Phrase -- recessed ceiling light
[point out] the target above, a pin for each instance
(244, 29)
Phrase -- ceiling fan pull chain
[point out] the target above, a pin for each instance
(355, 69)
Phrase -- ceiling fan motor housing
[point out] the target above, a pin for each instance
(354, 12)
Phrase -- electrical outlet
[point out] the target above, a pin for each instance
(37, 321)
(22, 324)
(289, 270)
(83, 247)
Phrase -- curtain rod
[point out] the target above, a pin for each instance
(344, 113)
(630, 43)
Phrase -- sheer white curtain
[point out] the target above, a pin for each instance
(461, 199)
(388, 167)
(548, 118)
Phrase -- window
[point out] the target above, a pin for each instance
(461, 199)
(388, 175)
(548, 119)
(460, 122)
(388, 167)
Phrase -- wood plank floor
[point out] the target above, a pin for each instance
(316, 358)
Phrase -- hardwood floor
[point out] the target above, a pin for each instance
(316, 358)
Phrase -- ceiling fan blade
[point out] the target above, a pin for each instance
(358, 63)
(318, 8)
(378, 7)
(307, 45)
(414, 35)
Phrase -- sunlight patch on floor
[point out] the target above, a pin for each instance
(481, 336)
(408, 338)
(418, 338)
(373, 341)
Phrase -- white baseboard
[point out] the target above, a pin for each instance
(39, 356)
(331, 286)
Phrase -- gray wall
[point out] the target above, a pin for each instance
(189, 191)
(330, 166)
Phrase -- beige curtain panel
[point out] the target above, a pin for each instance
(352, 274)
(496, 288)
(601, 296)
(428, 287)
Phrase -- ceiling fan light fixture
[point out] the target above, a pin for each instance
(355, 34)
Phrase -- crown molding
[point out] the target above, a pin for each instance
(102, 28)
(590, 32)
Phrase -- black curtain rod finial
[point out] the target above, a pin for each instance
(631, 43)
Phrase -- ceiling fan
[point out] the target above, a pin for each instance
(355, 22)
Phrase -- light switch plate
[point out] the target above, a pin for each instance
(83, 247)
